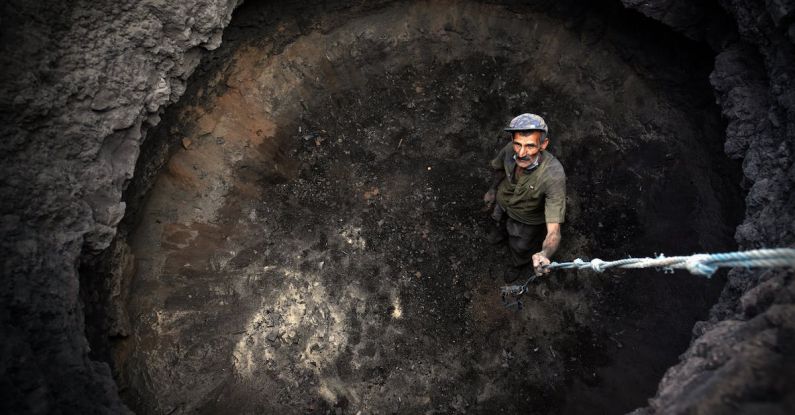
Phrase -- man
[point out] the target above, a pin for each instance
(530, 187)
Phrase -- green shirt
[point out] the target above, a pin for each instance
(536, 197)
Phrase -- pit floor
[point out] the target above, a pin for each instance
(333, 260)
(364, 284)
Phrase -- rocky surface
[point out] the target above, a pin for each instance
(742, 359)
(81, 84)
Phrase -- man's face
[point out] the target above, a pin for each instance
(527, 145)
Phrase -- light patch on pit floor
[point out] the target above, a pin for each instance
(300, 324)
(331, 388)
(353, 236)
(397, 310)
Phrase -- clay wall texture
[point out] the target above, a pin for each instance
(81, 83)
(740, 360)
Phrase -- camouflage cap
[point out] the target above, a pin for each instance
(527, 122)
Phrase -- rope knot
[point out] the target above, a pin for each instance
(597, 265)
(700, 265)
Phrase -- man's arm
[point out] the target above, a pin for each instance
(491, 195)
(548, 248)
(554, 212)
(499, 174)
(552, 241)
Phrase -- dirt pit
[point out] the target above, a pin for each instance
(315, 239)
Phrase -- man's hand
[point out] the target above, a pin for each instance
(539, 260)
(490, 197)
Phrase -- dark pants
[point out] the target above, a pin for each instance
(523, 240)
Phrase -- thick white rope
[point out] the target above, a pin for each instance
(698, 264)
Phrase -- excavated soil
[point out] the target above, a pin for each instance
(315, 242)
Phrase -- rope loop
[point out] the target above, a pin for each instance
(597, 265)
(701, 264)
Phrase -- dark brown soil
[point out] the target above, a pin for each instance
(317, 244)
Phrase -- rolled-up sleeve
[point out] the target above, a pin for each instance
(555, 198)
